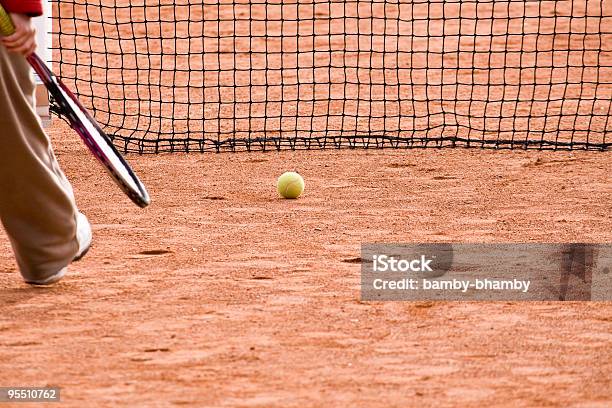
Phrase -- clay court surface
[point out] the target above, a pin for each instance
(223, 294)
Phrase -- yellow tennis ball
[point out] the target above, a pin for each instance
(290, 185)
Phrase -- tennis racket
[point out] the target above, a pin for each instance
(85, 125)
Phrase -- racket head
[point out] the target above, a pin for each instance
(92, 135)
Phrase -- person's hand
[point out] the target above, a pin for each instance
(23, 40)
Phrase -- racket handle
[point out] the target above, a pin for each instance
(6, 24)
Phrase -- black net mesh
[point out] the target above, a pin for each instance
(308, 74)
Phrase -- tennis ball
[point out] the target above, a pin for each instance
(290, 185)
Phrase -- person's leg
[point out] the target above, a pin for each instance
(37, 206)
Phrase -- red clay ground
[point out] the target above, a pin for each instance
(222, 294)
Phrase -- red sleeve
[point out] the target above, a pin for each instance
(29, 7)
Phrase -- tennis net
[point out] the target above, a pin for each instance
(308, 74)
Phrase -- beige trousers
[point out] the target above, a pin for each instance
(37, 205)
